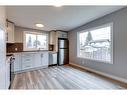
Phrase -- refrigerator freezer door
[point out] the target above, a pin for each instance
(63, 43)
(63, 56)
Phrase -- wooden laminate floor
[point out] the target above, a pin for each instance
(61, 77)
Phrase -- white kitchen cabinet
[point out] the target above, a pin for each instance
(30, 60)
(18, 35)
(41, 59)
(10, 32)
(52, 37)
(37, 60)
(34, 60)
(27, 61)
(62, 34)
(17, 62)
(45, 59)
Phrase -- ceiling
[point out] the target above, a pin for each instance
(56, 18)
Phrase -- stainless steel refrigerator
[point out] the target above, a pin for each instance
(63, 51)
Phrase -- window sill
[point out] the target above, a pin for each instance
(100, 61)
(35, 50)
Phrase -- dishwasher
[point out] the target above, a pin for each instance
(52, 58)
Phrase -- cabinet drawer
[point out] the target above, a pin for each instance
(25, 60)
(26, 65)
(27, 55)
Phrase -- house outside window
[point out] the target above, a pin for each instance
(96, 44)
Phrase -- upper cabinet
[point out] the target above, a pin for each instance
(52, 37)
(62, 34)
(10, 32)
(18, 35)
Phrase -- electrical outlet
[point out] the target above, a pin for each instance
(16, 49)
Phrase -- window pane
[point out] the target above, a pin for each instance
(30, 40)
(96, 44)
(102, 33)
(42, 41)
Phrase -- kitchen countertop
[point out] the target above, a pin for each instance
(52, 51)
(32, 51)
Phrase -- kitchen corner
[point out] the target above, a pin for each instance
(20, 59)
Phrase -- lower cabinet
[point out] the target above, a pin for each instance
(26, 61)
(17, 63)
(45, 59)
(37, 60)
(41, 59)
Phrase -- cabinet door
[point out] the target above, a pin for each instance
(37, 61)
(54, 55)
(17, 63)
(62, 34)
(10, 32)
(45, 59)
(52, 38)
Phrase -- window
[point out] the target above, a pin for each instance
(42, 41)
(30, 40)
(96, 44)
(35, 41)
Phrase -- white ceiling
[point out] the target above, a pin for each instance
(56, 18)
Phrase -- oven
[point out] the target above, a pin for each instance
(11, 60)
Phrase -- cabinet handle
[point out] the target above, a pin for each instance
(27, 66)
(27, 59)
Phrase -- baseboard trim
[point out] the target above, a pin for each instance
(101, 73)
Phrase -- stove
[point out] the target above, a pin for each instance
(11, 59)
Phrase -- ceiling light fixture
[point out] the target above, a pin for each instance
(57, 5)
(39, 25)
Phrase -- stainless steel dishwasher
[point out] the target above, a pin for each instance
(52, 58)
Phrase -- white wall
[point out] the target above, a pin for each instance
(19, 33)
(2, 47)
(119, 68)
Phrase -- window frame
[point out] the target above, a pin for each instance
(94, 28)
(35, 33)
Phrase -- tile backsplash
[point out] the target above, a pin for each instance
(14, 47)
